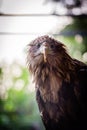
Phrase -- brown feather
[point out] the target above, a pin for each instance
(54, 99)
(58, 68)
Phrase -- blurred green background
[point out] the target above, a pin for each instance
(18, 107)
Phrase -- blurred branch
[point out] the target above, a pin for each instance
(33, 15)
(67, 33)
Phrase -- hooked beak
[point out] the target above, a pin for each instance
(44, 50)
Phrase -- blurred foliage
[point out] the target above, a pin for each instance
(74, 36)
(18, 108)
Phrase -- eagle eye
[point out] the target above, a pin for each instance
(52, 46)
(38, 45)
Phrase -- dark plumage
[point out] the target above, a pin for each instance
(61, 85)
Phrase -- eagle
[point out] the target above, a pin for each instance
(60, 84)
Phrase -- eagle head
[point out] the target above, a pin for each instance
(45, 55)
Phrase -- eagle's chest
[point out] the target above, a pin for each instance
(49, 84)
(49, 88)
(58, 98)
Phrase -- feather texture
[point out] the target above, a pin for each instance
(61, 85)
